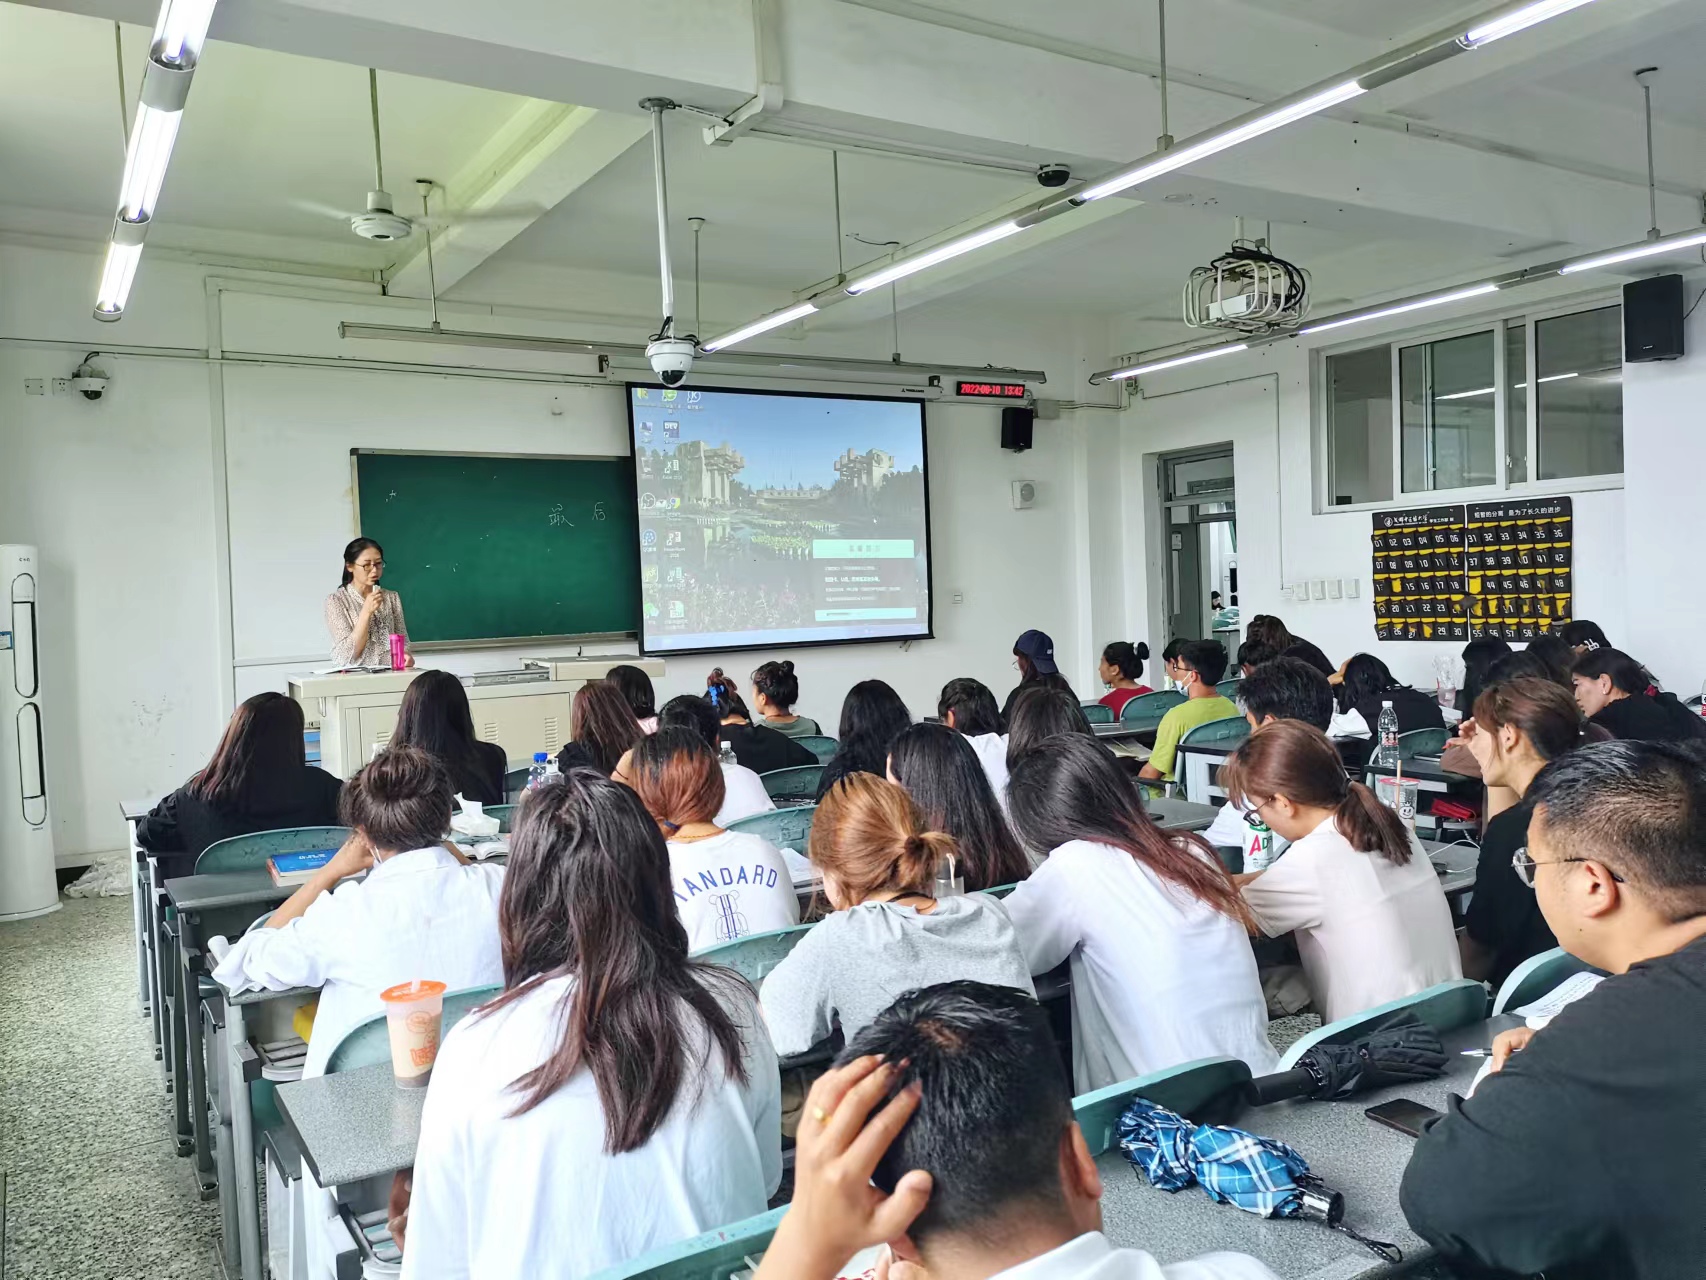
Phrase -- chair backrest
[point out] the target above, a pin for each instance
(1537, 976)
(1228, 729)
(820, 746)
(250, 852)
(754, 956)
(715, 1255)
(1000, 890)
(515, 782)
(1422, 742)
(369, 1043)
(1229, 688)
(784, 828)
(1096, 713)
(799, 783)
(1188, 1089)
(504, 813)
(1444, 1007)
(1150, 706)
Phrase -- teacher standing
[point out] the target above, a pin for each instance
(361, 615)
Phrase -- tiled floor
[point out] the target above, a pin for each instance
(94, 1189)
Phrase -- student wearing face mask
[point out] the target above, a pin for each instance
(1201, 664)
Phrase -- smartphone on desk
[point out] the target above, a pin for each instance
(1405, 1116)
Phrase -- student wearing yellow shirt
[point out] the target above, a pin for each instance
(1201, 663)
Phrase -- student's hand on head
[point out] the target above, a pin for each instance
(1338, 677)
(1508, 1042)
(355, 857)
(836, 1211)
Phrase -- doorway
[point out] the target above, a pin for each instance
(1200, 568)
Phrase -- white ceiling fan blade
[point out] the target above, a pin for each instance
(321, 210)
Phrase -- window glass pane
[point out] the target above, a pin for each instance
(1516, 401)
(1359, 426)
(1579, 366)
(1447, 390)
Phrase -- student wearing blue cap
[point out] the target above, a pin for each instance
(1033, 654)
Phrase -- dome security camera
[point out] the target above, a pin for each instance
(88, 381)
(671, 358)
(1053, 175)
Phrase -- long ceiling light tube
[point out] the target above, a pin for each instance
(1632, 252)
(1398, 309)
(179, 35)
(930, 257)
(763, 325)
(1512, 20)
(1155, 366)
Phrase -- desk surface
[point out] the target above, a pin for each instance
(353, 1125)
(1425, 767)
(227, 889)
(1126, 728)
(1346, 1149)
(1180, 815)
(134, 809)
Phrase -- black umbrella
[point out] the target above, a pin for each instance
(1399, 1048)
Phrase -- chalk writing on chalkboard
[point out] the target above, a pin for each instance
(556, 517)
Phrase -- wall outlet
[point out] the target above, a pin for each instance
(61, 386)
(35, 387)
(1285, 595)
(1352, 590)
(1335, 588)
(959, 597)
(1318, 589)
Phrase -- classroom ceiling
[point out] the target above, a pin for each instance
(939, 112)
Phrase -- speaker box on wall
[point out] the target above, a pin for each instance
(1016, 423)
(1652, 319)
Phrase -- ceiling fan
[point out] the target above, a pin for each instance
(380, 220)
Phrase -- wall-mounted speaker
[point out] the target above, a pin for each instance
(1652, 319)
(1016, 423)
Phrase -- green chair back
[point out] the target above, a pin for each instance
(820, 746)
(715, 1255)
(515, 782)
(1228, 729)
(1422, 742)
(369, 1043)
(1228, 689)
(1150, 707)
(1191, 1089)
(1444, 1007)
(1537, 976)
(799, 783)
(505, 814)
(1096, 713)
(784, 828)
(754, 956)
(1000, 890)
(250, 852)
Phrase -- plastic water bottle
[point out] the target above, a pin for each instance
(725, 754)
(538, 772)
(1703, 700)
(1259, 848)
(1387, 756)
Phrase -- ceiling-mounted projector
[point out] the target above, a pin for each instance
(1248, 290)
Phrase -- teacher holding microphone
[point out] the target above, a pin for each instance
(362, 616)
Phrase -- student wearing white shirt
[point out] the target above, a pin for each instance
(1273, 689)
(945, 1133)
(941, 773)
(968, 707)
(421, 912)
(1162, 971)
(743, 790)
(727, 884)
(617, 1097)
(1371, 919)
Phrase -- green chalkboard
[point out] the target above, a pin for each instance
(491, 547)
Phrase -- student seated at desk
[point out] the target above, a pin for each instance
(727, 884)
(434, 716)
(945, 1132)
(743, 790)
(1033, 658)
(1201, 664)
(1354, 885)
(1122, 672)
(1271, 631)
(636, 687)
(1278, 689)
(775, 690)
(1040, 713)
(888, 932)
(617, 1096)
(1583, 636)
(1162, 971)
(758, 747)
(258, 780)
(602, 729)
(872, 717)
(1618, 694)
(1253, 653)
(941, 773)
(1479, 655)
(968, 708)
(1584, 1155)
(1365, 686)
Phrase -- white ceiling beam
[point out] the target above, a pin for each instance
(542, 155)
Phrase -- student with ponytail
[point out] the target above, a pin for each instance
(888, 933)
(775, 690)
(1122, 672)
(1371, 920)
(617, 1097)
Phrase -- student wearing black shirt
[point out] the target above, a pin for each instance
(435, 717)
(1584, 1155)
(1616, 693)
(1515, 728)
(258, 780)
(758, 747)
(1033, 655)
(1364, 687)
(872, 717)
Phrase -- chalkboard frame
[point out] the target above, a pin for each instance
(929, 632)
(497, 642)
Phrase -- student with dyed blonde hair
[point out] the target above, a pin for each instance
(888, 933)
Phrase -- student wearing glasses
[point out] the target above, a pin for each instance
(1584, 1154)
(361, 615)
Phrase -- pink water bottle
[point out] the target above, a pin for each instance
(398, 657)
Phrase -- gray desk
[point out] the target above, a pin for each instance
(1350, 1153)
(133, 811)
(1180, 815)
(354, 1125)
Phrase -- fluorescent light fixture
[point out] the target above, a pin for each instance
(1438, 300)
(757, 327)
(952, 249)
(1465, 395)
(181, 31)
(1517, 20)
(1189, 154)
(1176, 361)
(116, 278)
(145, 161)
(1647, 249)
